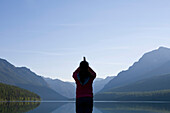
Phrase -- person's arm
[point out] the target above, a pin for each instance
(92, 73)
(76, 72)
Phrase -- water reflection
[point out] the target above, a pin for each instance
(51, 107)
(57, 107)
(99, 107)
(133, 107)
(17, 107)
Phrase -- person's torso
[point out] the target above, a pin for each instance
(84, 90)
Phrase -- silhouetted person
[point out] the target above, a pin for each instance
(84, 77)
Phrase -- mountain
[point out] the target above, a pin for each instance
(155, 83)
(156, 62)
(18, 75)
(63, 88)
(99, 83)
(26, 79)
(156, 88)
(98, 79)
(68, 89)
(13, 93)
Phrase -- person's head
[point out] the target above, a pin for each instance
(84, 65)
(84, 73)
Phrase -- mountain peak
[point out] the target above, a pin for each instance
(5, 63)
(24, 68)
(3, 60)
(147, 63)
(163, 48)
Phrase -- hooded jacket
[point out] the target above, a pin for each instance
(86, 89)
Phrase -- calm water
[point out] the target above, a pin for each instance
(99, 107)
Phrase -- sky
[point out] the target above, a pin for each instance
(51, 36)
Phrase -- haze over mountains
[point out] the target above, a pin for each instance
(63, 88)
(47, 88)
(68, 89)
(153, 63)
(155, 83)
(150, 73)
(26, 79)
(99, 83)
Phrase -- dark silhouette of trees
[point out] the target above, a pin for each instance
(13, 93)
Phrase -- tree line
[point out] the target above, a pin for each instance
(160, 95)
(13, 93)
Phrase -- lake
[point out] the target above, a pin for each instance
(99, 107)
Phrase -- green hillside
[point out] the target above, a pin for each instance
(13, 93)
(161, 95)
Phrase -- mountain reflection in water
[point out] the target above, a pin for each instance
(99, 107)
(133, 107)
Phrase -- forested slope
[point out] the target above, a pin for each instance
(13, 93)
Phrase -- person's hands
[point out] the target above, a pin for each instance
(92, 72)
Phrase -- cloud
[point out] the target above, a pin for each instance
(110, 63)
(154, 28)
(34, 52)
(45, 53)
(117, 48)
(67, 51)
(77, 24)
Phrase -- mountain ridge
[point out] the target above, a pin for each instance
(148, 62)
(63, 88)
(24, 78)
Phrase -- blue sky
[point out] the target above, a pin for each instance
(51, 36)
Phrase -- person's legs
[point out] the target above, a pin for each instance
(84, 105)
(89, 105)
(79, 106)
